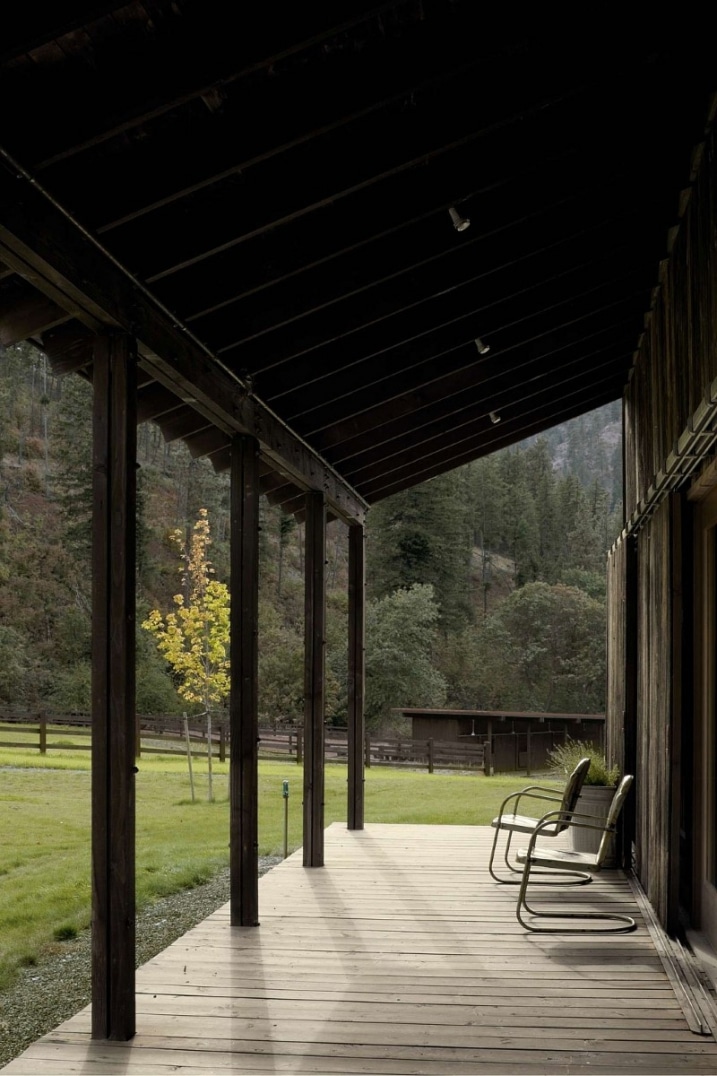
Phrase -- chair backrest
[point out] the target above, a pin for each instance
(618, 801)
(576, 780)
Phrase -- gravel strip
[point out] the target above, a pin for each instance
(59, 985)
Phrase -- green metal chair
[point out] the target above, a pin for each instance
(518, 823)
(592, 862)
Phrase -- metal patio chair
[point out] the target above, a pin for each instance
(562, 860)
(519, 823)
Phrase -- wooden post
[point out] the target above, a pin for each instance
(527, 752)
(222, 742)
(430, 755)
(367, 753)
(113, 688)
(314, 685)
(243, 697)
(356, 723)
(299, 746)
(43, 733)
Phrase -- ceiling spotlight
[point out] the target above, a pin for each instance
(459, 223)
(482, 348)
(495, 418)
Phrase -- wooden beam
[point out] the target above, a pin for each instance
(356, 665)
(207, 442)
(182, 422)
(189, 59)
(26, 29)
(69, 348)
(395, 415)
(243, 699)
(406, 226)
(25, 312)
(458, 397)
(154, 400)
(44, 245)
(314, 679)
(506, 399)
(257, 334)
(113, 689)
(270, 297)
(364, 81)
(511, 433)
(449, 342)
(324, 176)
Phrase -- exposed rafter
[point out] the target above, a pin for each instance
(47, 247)
(264, 205)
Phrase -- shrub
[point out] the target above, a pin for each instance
(564, 758)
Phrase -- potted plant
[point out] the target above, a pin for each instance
(597, 791)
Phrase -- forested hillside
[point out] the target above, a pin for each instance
(486, 585)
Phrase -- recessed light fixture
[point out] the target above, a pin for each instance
(459, 223)
(482, 348)
(494, 417)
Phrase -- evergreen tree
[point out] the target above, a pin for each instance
(424, 535)
(521, 538)
(72, 444)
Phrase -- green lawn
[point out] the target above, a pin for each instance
(45, 807)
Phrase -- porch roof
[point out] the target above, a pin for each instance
(400, 955)
(261, 195)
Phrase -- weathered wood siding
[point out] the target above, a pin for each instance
(616, 703)
(654, 709)
(677, 356)
(425, 728)
(621, 701)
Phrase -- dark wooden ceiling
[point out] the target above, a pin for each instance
(262, 192)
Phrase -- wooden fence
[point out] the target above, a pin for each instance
(165, 735)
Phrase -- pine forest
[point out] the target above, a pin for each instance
(486, 585)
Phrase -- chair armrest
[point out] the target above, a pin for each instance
(550, 795)
(550, 819)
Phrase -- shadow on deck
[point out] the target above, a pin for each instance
(401, 956)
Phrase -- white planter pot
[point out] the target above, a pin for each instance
(594, 800)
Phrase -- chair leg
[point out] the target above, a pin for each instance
(503, 881)
(626, 923)
(567, 877)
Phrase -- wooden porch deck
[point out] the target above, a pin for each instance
(400, 956)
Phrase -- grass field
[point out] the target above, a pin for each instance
(45, 845)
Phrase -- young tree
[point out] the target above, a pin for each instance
(195, 638)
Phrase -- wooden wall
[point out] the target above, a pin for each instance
(650, 570)
(639, 711)
(676, 360)
(621, 701)
(616, 701)
(654, 709)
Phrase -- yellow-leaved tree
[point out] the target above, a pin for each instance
(194, 638)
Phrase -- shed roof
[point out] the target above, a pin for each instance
(537, 715)
(262, 195)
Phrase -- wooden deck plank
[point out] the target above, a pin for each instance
(401, 955)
